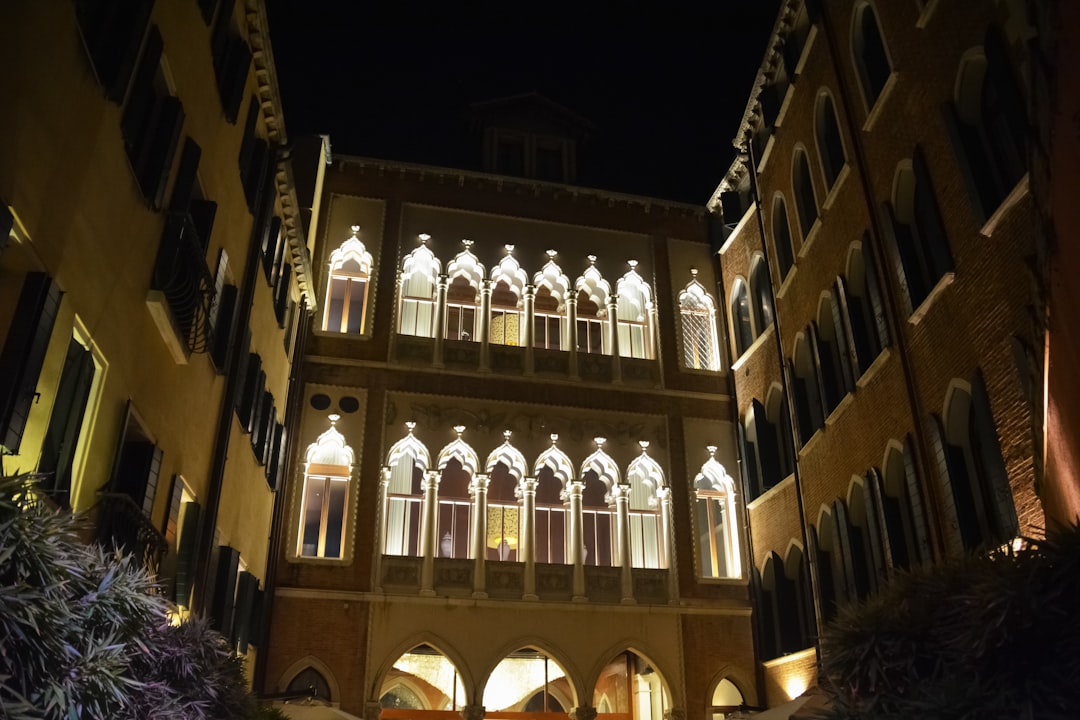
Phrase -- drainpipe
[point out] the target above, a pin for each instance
(201, 598)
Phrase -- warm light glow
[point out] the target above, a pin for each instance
(515, 680)
(436, 671)
(795, 686)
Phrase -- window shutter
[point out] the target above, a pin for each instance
(58, 448)
(206, 8)
(219, 35)
(185, 552)
(281, 294)
(873, 290)
(896, 259)
(258, 605)
(24, 353)
(731, 206)
(246, 587)
(255, 177)
(276, 466)
(995, 483)
(250, 391)
(270, 240)
(247, 143)
(842, 553)
(223, 600)
(233, 77)
(263, 427)
(767, 450)
(876, 527)
(185, 176)
(748, 465)
(140, 103)
(816, 384)
(226, 312)
(935, 436)
(845, 344)
(112, 31)
(915, 503)
(137, 473)
(158, 154)
(928, 216)
(7, 221)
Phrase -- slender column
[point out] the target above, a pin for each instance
(571, 334)
(440, 320)
(577, 540)
(667, 551)
(530, 329)
(485, 324)
(479, 489)
(621, 494)
(428, 532)
(650, 337)
(527, 541)
(384, 503)
(613, 336)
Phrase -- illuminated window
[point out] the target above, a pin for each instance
(717, 526)
(507, 288)
(600, 474)
(552, 287)
(634, 321)
(553, 471)
(419, 275)
(323, 510)
(458, 464)
(505, 467)
(593, 293)
(698, 312)
(462, 311)
(645, 476)
(406, 463)
(346, 293)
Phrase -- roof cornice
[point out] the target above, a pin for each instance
(265, 72)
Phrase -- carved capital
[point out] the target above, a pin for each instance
(472, 712)
(582, 713)
(372, 710)
(674, 714)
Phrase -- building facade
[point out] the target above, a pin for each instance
(876, 242)
(512, 485)
(154, 238)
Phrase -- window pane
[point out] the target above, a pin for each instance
(335, 517)
(357, 291)
(312, 518)
(705, 546)
(335, 306)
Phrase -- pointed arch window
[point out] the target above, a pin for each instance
(871, 58)
(552, 288)
(419, 278)
(553, 471)
(866, 312)
(834, 352)
(458, 464)
(829, 144)
(592, 297)
(462, 312)
(508, 286)
(598, 517)
(645, 477)
(406, 464)
(918, 231)
(716, 520)
(347, 290)
(741, 326)
(761, 295)
(697, 309)
(805, 199)
(634, 311)
(781, 233)
(905, 526)
(806, 384)
(327, 473)
(506, 468)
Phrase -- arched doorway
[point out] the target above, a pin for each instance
(630, 688)
(423, 683)
(527, 684)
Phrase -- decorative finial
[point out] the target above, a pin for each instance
(411, 425)
(551, 255)
(600, 442)
(334, 417)
(459, 429)
(712, 451)
(592, 259)
(693, 272)
(424, 237)
(355, 230)
(507, 434)
(509, 249)
(554, 438)
(632, 263)
(644, 445)
(467, 243)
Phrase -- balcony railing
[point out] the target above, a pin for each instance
(181, 275)
(121, 523)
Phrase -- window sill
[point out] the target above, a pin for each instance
(877, 110)
(834, 191)
(736, 582)
(939, 290)
(809, 446)
(767, 152)
(804, 249)
(1018, 193)
(350, 336)
(875, 368)
(786, 282)
(843, 405)
(750, 211)
(758, 342)
(801, 63)
(326, 562)
(763, 497)
(927, 12)
(785, 103)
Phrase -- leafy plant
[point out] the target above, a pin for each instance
(991, 635)
(84, 632)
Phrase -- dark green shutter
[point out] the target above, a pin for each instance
(224, 597)
(246, 588)
(185, 551)
(62, 436)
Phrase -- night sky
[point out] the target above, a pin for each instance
(665, 90)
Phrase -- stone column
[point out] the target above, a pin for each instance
(667, 555)
(472, 712)
(577, 540)
(372, 710)
(485, 324)
(582, 712)
(621, 494)
(479, 489)
(571, 334)
(613, 338)
(527, 540)
(530, 329)
(380, 536)
(439, 331)
(429, 532)
(654, 327)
